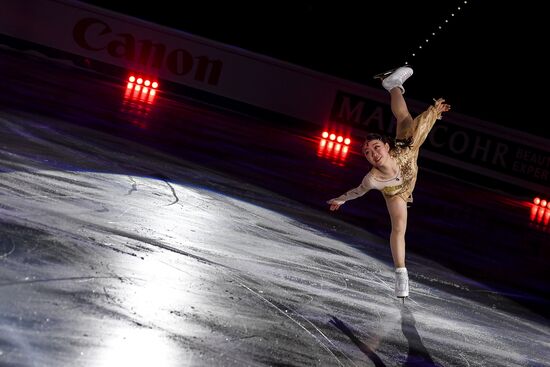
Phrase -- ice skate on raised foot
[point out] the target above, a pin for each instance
(401, 283)
(397, 78)
(385, 74)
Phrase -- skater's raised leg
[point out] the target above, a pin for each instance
(401, 112)
(393, 83)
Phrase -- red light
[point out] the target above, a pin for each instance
(344, 153)
(321, 147)
(534, 211)
(540, 214)
(536, 201)
(347, 141)
(335, 152)
(543, 203)
(128, 92)
(135, 93)
(324, 134)
(332, 137)
(339, 139)
(137, 99)
(155, 85)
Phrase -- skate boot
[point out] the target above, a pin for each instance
(401, 283)
(385, 74)
(397, 78)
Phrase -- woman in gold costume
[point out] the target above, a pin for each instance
(394, 168)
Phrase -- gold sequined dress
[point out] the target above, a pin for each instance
(406, 157)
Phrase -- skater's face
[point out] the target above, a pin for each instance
(377, 152)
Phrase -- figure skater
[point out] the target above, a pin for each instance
(394, 166)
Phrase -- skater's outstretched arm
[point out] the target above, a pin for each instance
(354, 193)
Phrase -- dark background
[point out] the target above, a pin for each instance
(487, 60)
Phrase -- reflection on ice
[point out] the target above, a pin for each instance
(137, 347)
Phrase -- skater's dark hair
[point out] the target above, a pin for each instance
(392, 142)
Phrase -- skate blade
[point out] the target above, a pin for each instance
(403, 298)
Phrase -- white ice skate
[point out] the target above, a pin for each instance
(396, 78)
(401, 283)
(383, 75)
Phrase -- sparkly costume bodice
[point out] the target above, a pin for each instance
(406, 161)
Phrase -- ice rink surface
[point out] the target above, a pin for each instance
(186, 235)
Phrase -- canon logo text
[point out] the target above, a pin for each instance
(96, 35)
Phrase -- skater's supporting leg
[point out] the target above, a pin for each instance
(397, 208)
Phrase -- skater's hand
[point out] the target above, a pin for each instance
(334, 204)
(440, 106)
